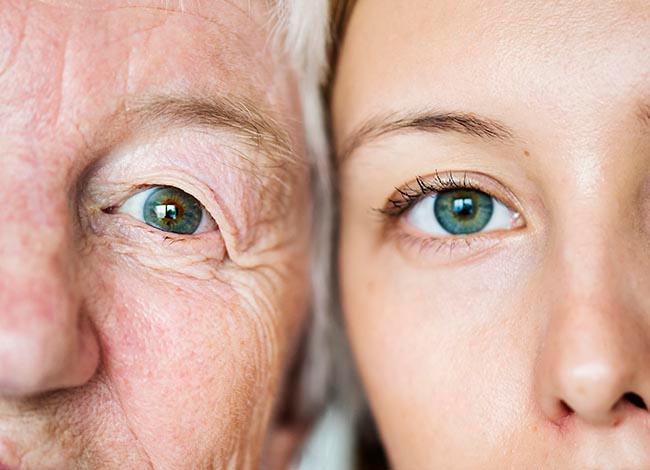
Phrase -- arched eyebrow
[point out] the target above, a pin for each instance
(240, 116)
(428, 121)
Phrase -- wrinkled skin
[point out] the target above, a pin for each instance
(122, 346)
(528, 346)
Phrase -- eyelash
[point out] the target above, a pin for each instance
(408, 196)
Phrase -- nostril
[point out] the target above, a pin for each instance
(566, 409)
(635, 399)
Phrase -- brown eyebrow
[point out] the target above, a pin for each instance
(430, 121)
(256, 126)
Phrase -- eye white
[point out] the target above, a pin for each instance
(422, 217)
(134, 206)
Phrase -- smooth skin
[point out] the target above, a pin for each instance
(526, 346)
(121, 345)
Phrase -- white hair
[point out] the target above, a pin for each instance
(304, 28)
(327, 375)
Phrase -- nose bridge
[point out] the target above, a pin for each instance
(35, 238)
(44, 341)
(36, 272)
(595, 345)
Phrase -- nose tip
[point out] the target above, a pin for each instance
(597, 392)
(45, 343)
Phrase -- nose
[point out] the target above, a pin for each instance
(593, 365)
(46, 341)
(594, 381)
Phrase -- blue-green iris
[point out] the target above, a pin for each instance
(172, 210)
(463, 211)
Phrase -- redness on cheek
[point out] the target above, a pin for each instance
(127, 335)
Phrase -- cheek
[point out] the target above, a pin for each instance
(182, 354)
(451, 348)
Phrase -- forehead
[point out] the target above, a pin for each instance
(181, 38)
(72, 60)
(471, 54)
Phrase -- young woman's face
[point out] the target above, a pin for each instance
(495, 243)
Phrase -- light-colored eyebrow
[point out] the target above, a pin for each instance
(258, 127)
(427, 121)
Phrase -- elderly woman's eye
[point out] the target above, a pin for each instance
(169, 209)
(460, 212)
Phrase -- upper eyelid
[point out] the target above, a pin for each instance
(138, 190)
(440, 181)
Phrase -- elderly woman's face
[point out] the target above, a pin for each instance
(154, 233)
(495, 243)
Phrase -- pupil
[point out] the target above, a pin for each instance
(463, 207)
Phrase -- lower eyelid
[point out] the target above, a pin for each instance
(444, 250)
(122, 230)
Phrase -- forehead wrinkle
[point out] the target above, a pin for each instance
(217, 12)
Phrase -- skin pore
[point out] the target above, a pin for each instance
(123, 345)
(526, 343)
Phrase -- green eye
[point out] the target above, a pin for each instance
(463, 211)
(172, 210)
(169, 209)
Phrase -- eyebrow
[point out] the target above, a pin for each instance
(427, 121)
(258, 127)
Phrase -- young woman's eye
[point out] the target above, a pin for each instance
(169, 209)
(460, 212)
